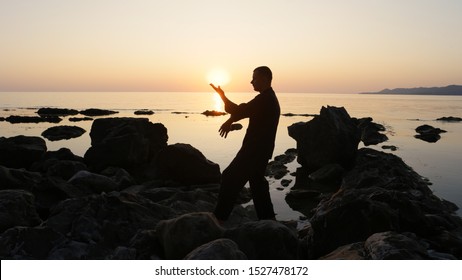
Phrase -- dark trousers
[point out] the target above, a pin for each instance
(246, 167)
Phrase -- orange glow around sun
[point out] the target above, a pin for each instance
(218, 77)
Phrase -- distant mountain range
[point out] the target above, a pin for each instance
(448, 90)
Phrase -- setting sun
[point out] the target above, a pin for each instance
(218, 77)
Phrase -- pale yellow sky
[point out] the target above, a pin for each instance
(173, 45)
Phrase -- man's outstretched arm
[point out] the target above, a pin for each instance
(230, 106)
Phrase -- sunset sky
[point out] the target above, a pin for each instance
(175, 45)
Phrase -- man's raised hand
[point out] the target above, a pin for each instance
(217, 89)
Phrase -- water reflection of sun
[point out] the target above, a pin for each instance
(218, 77)
(217, 103)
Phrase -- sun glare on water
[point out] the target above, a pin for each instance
(218, 77)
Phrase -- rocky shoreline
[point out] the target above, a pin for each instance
(134, 196)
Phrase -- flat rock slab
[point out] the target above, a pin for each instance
(63, 132)
(97, 112)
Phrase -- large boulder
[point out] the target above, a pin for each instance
(91, 183)
(109, 220)
(185, 164)
(47, 191)
(387, 245)
(17, 209)
(129, 143)
(331, 137)
(394, 246)
(21, 151)
(181, 235)
(265, 240)
(61, 164)
(12, 178)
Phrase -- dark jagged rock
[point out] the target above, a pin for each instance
(429, 133)
(129, 143)
(33, 119)
(331, 137)
(185, 164)
(394, 246)
(278, 168)
(29, 243)
(76, 119)
(213, 113)
(450, 119)
(64, 169)
(17, 209)
(254, 238)
(11, 178)
(285, 182)
(219, 249)
(144, 112)
(97, 112)
(287, 157)
(354, 251)
(200, 227)
(310, 189)
(47, 190)
(370, 132)
(329, 175)
(61, 164)
(109, 220)
(91, 183)
(62, 132)
(381, 193)
(146, 245)
(21, 151)
(385, 246)
(57, 112)
(120, 176)
(303, 200)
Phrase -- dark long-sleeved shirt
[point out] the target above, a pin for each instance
(263, 112)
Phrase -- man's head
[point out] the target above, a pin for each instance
(261, 79)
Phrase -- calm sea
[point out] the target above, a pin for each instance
(439, 162)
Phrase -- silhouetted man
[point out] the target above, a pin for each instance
(250, 163)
